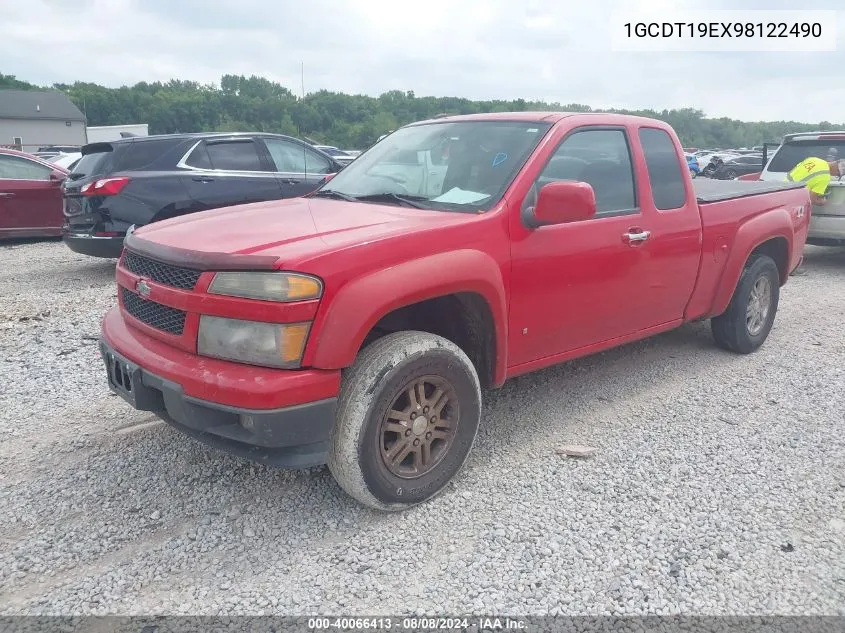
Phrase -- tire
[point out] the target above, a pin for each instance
(379, 382)
(730, 174)
(693, 173)
(743, 329)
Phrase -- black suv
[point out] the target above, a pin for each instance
(139, 180)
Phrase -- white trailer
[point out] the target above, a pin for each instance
(106, 133)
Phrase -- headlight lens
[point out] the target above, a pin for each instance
(270, 286)
(256, 343)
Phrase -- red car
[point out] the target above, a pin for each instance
(357, 326)
(30, 195)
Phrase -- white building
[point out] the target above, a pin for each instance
(106, 133)
(30, 119)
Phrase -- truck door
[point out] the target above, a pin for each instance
(672, 220)
(580, 284)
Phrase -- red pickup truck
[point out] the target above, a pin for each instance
(357, 326)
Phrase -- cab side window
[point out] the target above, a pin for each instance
(18, 168)
(602, 159)
(239, 155)
(292, 158)
(664, 169)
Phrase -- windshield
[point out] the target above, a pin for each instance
(792, 153)
(460, 166)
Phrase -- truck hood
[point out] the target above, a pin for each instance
(258, 235)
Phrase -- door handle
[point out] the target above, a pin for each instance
(291, 181)
(635, 237)
(203, 179)
(7, 195)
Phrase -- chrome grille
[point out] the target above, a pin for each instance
(167, 274)
(154, 314)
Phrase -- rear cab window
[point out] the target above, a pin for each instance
(664, 169)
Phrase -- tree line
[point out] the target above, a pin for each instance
(256, 104)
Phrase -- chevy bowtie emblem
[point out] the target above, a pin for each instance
(799, 211)
(143, 288)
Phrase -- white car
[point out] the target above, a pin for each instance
(705, 159)
(67, 161)
(827, 222)
(338, 154)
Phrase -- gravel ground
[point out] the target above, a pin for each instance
(718, 486)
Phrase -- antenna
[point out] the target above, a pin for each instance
(302, 88)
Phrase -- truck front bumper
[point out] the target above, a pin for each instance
(293, 436)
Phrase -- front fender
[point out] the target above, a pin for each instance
(776, 223)
(352, 312)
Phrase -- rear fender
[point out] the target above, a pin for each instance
(759, 229)
(360, 304)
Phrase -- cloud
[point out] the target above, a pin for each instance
(481, 49)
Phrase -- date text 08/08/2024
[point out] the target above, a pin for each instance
(416, 624)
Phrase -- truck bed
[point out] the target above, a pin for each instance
(709, 190)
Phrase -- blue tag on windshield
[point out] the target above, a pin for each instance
(499, 158)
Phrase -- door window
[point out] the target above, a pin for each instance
(293, 158)
(602, 159)
(230, 155)
(664, 169)
(17, 168)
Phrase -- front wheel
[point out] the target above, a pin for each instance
(407, 418)
(746, 323)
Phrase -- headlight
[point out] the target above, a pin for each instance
(253, 342)
(275, 286)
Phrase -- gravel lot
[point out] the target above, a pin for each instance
(718, 486)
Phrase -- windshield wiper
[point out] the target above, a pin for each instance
(386, 196)
(331, 193)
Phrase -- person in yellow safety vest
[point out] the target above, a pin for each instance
(816, 173)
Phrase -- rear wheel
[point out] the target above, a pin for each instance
(746, 323)
(407, 418)
(730, 174)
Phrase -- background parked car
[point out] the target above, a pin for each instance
(30, 195)
(66, 161)
(692, 163)
(827, 223)
(338, 154)
(704, 160)
(144, 179)
(738, 166)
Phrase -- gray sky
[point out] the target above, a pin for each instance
(554, 50)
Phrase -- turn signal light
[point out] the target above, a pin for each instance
(104, 187)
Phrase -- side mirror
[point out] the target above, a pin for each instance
(561, 202)
(57, 177)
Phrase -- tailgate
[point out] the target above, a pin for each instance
(835, 200)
